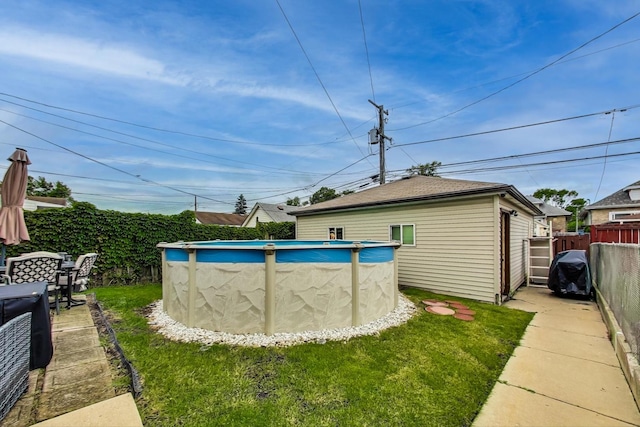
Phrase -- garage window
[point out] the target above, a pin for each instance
(403, 233)
(335, 233)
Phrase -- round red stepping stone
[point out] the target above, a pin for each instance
(465, 317)
(465, 311)
(434, 303)
(440, 310)
(459, 305)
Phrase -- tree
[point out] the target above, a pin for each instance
(293, 202)
(575, 207)
(427, 169)
(554, 197)
(322, 195)
(345, 192)
(241, 206)
(43, 188)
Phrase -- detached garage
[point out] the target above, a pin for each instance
(460, 238)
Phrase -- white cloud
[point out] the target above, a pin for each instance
(87, 54)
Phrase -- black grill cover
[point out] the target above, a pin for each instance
(569, 273)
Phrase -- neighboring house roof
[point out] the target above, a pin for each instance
(277, 213)
(619, 199)
(414, 189)
(217, 218)
(547, 209)
(32, 203)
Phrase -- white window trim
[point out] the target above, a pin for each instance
(335, 227)
(403, 225)
(613, 215)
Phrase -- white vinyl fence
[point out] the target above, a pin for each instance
(615, 270)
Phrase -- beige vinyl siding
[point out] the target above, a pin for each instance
(454, 252)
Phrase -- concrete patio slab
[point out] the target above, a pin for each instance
(601, 388)
(597, 349)
(67, 343)
(74, 358)
(523, 408)
(84, 372)
(79, 395)
(118, 411)
(563, 322)
(77, 337)
(565, 372)
(73, 322)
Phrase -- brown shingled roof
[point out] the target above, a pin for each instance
(415, 188)
(616, 200)
(219, 218)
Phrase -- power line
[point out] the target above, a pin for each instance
(512, 127)
(521, 74)
(606, 151)
(108, 166)
(536, 153)
(554, 162)
(366, 48)
(199, 159)
(523, 78)
(176, 132)
(318, 76)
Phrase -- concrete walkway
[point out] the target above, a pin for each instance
(565, 371)
(76, 388)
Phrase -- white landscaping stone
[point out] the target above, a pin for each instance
(178, 332)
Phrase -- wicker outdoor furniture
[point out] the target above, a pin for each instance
(15, 343)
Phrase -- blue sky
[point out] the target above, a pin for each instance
(144, 106)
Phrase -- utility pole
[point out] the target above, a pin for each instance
(381, 136)
(195, 203)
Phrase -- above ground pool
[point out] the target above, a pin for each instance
(271, 286)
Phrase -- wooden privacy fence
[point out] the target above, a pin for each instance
(616, 233)
(565, 242)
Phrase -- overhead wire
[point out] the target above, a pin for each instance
(606, 151)
(138, 177)
(430, 140)
(533, 154)
(324, 88)
(317, 182)
(521, 74)
(366, 48)
(529, 75)
(546, 122)
(200, 153)
(176, 132)
(551, 162)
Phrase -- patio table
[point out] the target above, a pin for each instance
(24, 298)
(68, 267)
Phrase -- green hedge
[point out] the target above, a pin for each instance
(126, 242)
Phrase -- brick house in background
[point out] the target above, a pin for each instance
(619, 207)
(554, 217)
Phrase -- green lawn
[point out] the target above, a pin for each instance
(434, 370)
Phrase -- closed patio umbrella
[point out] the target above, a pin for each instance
(13, 229)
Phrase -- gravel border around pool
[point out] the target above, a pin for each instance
(176, 331)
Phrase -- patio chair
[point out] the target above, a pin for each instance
(78, 278)
(36, 267)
